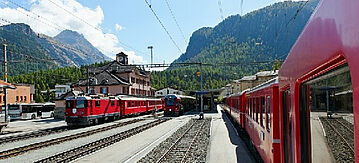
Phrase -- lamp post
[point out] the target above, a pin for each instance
(151, 48)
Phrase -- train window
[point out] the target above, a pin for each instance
(327, 100)
(268, 113)
(90, 103)
(263, 111)
(97, 103)
(253, 108)
(81, 104)
(257, 109)
(129, 104)
(69, 104)
(112, 103)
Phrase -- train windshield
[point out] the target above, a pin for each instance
(170, 100)
(81, 104)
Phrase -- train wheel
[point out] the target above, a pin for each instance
(33, 116)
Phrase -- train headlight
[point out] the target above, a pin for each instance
(74, 110)
(170, 109)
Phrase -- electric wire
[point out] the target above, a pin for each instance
(175, 20)
(163, 26)
(220, 9)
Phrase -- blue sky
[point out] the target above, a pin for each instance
(128, 21)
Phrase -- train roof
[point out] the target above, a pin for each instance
(126, 97)
(264, 85)
(180, 96)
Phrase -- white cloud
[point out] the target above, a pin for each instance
(50, 14)
(118, 27)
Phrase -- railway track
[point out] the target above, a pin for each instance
(34, 134)
(20, 150)
(341, 139)
(97, 145)
(44, 132)
(180, 150)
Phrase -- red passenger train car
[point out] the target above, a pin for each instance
(320, 72)
(256, 111)
(87, 110)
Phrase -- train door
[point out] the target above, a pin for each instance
(326, 117)
(287, 127)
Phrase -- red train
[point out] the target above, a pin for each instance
(320, 73)
(86, 110)
(255, 111)
(175, 105)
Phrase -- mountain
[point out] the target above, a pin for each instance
(245, 41)
(29, 51)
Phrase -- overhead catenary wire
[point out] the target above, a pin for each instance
(290, 21)
(163, 26)
(98, 29)
(174, 18)
(26, 14)
(59, 27)
(39, 16)
(220, 9)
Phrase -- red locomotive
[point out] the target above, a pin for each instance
(86, 110)
(320, 73)
(175, 105)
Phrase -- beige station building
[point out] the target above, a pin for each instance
(23, 93)
(117, 78)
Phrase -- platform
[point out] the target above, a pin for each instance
(225, 143)
(320, 149)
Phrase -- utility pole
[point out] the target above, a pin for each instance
(88, 80)
(5, 78)
(151, 47)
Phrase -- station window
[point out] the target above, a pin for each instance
(268, 113)
(17, 98)
(263, 111)
(25, 98)
(21, 98)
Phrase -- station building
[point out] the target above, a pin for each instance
(117, 78)
(23, 93)
(166, 91)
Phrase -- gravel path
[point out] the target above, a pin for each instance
(195, 150)
(340, 138)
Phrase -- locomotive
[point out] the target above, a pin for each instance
(87, 110)
(175, 105)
